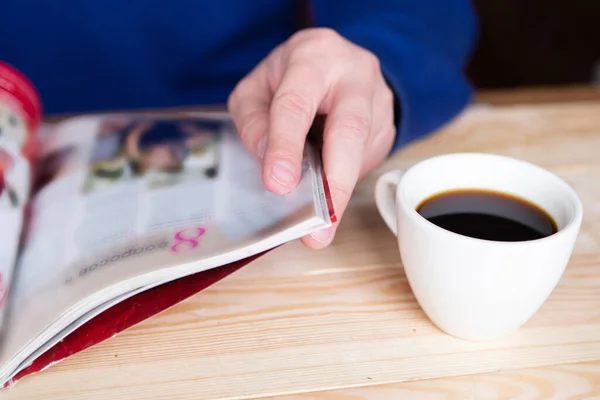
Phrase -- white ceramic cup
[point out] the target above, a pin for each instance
(470, 288)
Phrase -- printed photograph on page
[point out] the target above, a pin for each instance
(164, 152)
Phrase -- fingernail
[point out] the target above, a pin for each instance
(260, 148)
(323, 236)
(283, 173)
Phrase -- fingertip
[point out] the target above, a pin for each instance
(319, 239)
(311, 243)
(280, 177)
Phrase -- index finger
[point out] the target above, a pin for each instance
(293, 109)
(249, 108)
(347, 130)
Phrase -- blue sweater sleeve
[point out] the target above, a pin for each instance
(422, 45)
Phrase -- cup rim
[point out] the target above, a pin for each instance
(568, 191)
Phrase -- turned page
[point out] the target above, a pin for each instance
(129, 202)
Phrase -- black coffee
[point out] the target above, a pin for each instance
(487, 215)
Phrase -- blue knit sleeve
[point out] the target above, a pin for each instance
(423, 47)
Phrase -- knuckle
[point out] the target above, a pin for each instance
(353, 128)
(299, 36)
(303, 67)
(341, 195)
(319, 33)
(303, 51)
(370, 64)
(328, 38)
(237, 93)
(293, 103)
(322, 37)
(389, 135)
(250, 126)
(388, 97)
(326, 33)
(243, 85)
(286, 149)
(232, 100)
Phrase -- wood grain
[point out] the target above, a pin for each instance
(342, 319)
(539, 94)
(574, 382)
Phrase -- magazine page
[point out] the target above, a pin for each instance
(125, 203)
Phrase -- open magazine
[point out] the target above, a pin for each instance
(119, 207)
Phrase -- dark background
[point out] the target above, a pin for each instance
(536, 43)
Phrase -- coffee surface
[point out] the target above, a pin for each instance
(487, 215)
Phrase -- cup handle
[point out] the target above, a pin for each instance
(385, 198)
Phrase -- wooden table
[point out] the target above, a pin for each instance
(303, 325)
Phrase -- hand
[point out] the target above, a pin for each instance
(316, 71)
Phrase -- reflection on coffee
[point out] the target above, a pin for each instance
(487, 215)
